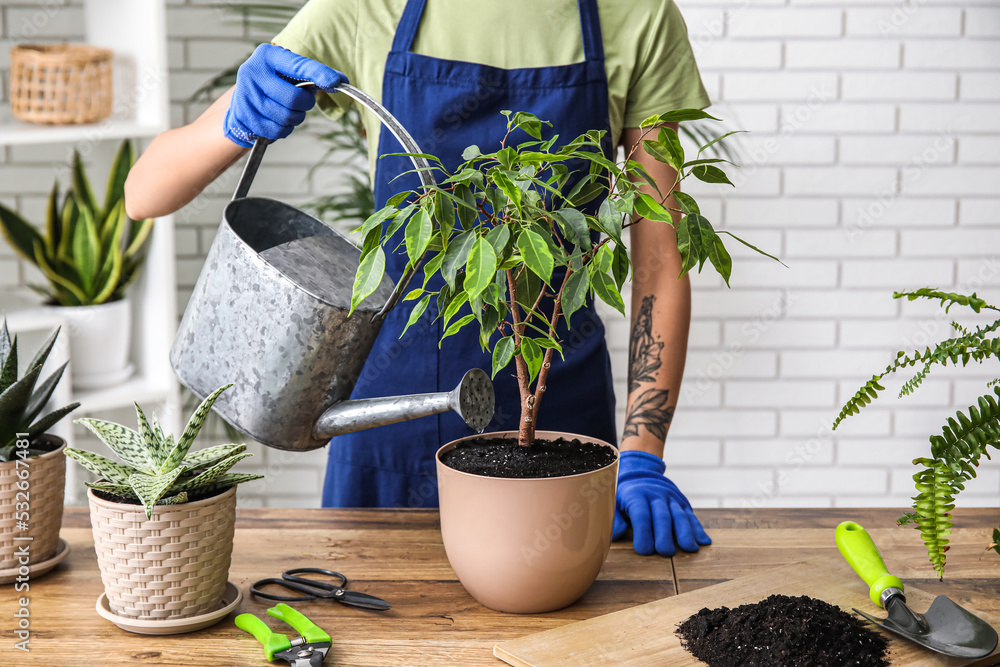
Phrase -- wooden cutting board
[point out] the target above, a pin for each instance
(644, 635)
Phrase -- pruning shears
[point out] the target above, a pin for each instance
(307, 650)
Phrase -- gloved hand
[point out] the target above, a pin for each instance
(658, 511)
(266, 105)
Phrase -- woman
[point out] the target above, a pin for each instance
(445, 69)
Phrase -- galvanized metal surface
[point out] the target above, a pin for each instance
(269, 313)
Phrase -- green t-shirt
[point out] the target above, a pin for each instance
(648, 58)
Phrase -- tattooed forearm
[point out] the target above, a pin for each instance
(649, 409)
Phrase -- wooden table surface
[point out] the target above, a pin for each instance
(398, 555)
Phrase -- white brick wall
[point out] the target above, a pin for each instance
(871, 166)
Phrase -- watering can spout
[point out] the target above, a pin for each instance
(472, 399)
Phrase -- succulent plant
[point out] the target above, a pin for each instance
(156, 469)
(20, 401)
(87, 253)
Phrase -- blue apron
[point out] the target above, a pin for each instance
(448, 105)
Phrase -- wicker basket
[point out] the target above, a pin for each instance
(46, 485)
(60, 84)
(174, 565)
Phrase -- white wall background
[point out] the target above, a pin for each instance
(872, 165)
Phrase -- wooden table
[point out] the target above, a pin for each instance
(398, 555)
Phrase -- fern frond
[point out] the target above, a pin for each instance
(933, 503)
(959, 328)
(949, 298)
(963, 441)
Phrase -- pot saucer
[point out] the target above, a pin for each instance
(101, 380)
(36, 570)
(231, 599)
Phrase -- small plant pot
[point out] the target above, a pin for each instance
(527, 546)
(46, 484)
(174, 565)
(100, 339)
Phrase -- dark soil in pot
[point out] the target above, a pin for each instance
(192, 497)
(503, 457)
(782, 631)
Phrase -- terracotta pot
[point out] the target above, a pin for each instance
(174, 565)
(100, 341)
(527, 545)
(46, 480)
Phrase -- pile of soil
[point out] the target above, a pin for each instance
(503, 457)
(782, 631)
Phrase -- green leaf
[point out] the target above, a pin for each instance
(536, 254)
(611, 220)
(415, 314)
(50, 420)
(418, 235)
(211, 475)
(720, 258)
(689, 241)
(575, 293)
(499, 237)
(658, 152)
(457, 255)
(150, 488)
(43, 392)
(155, 446)
(502, 354)
(667, 138)
(471, 153)
(376, 219)
(456, 325)
(681, 115)
(529, 123)
(52, 222)
(124, 442)
(754, 248)
(620, 265)
(86, 249)
(717, 140)
(120, 167)
(455, 304)
(574, 226)
(59, 280)
(102, 467)
(370, 273)
(604, 287)
(506, 185)
(211, 455)
(532, 354)
(710, 174)
(81, 187)
(647, 207)
(8, 374)
(21, 236)
(686, 202)
(194, 425)
(468, 214)
(481, 268)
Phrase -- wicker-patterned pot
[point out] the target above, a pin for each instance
(174, 565)
(46, 482)
(61, 84)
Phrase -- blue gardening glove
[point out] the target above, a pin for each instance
(658, 511)
(266, 105)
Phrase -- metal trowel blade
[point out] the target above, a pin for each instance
(946, 628)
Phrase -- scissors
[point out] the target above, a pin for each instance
(316, 590)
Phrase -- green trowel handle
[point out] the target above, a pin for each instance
(273, 642)
(860, 552)
(312, 632)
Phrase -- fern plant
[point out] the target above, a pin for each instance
(156, 469)
(20, 402)
(964, 439)
(88, 253)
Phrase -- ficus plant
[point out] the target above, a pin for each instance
(516, 252)
(965, 438)
(89, 253)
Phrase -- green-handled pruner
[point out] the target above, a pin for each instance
(308, 650)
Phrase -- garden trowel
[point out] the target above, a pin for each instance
(946, 627)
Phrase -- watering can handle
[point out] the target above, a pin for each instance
(409, 145)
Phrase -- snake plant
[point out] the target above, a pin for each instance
(20, 402)
(156, 469)
(964, 439)
(88, 253)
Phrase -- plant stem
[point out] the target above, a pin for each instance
(526, 426)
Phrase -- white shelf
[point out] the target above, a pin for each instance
(138, 389)
(15, 133)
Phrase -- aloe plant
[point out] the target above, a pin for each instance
(88, 253)
(156, 469)
(20, 402)
(964, 439)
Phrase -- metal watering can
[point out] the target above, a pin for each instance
(269, 314)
